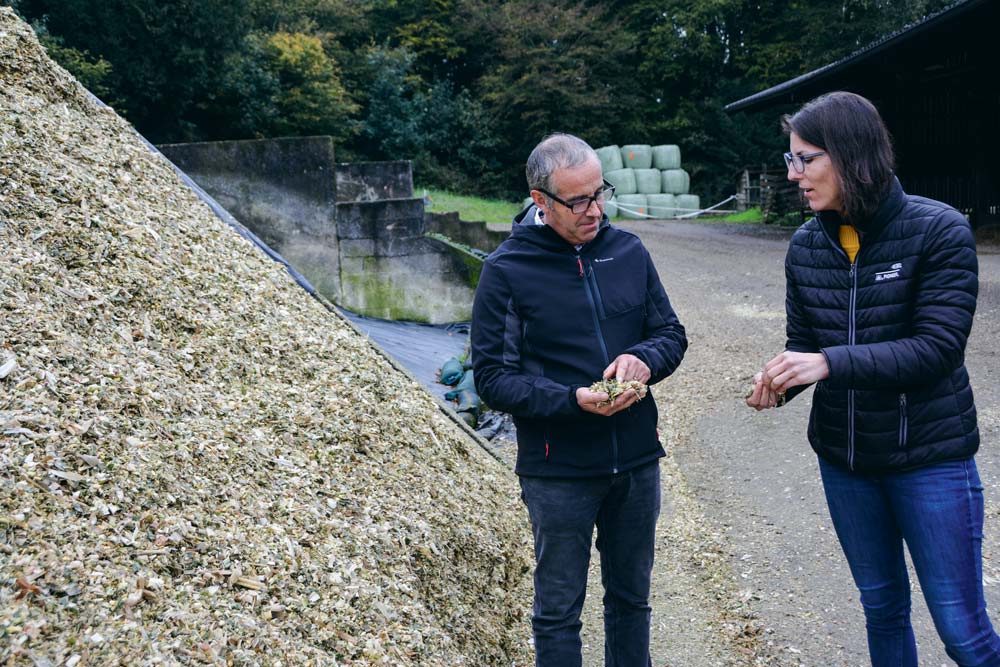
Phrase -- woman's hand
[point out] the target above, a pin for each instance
(791, 369)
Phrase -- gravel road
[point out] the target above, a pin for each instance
(748, 569)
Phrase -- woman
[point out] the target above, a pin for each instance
(881, 291)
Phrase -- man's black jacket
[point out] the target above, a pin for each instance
(893, 327)
(548, 319)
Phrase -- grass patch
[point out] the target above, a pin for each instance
(749, 215)
(470, 209)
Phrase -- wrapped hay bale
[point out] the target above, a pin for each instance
(632, 206)
(221, 468)
(647, 181)
(637, 156)
(667, 156)
(661, 206)
(676, 181)
(528, 201)
(610, 157)
(611, 208)
(687, 204)
(623, 180)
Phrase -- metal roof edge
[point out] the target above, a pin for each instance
(910, 31)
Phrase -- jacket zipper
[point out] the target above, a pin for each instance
(903, 421)
(850, 341)
(592, 297)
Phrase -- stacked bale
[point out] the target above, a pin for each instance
(661, 206)
(649, 178)
(610, 157)
(632, 206)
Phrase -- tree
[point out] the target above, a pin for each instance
(164, 56)
(567, 73)
(443, 130)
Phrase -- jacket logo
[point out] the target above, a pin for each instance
(605, 259)
(891, 274)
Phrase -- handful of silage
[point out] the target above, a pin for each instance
(613, 388)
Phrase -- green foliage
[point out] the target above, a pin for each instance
(464, 88)
(445, 132)
(164, 56)
(92, 72)
(285, 84)
(567, 73)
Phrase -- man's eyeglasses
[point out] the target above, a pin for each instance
(582, 204)
(799, 162)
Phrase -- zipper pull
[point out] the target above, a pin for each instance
(580, 264)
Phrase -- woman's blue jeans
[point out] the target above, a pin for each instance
(938, 511)
(563, 513)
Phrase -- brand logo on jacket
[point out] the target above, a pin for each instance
(891, 274)
(605, 259)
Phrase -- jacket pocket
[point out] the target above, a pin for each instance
(903, 421)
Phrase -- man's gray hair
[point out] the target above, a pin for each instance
(556, 151)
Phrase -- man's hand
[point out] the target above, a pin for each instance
(791, 369)
(589, 400)
(761, 398)
(627, 367)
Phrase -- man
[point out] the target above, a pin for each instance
(566, 300)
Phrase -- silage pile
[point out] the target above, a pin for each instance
(199, 464)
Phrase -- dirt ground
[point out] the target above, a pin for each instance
(748, 570)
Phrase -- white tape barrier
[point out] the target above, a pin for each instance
(694, 211)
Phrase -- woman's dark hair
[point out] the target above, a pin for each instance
(849, 128)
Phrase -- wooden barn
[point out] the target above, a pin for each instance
(937, 84)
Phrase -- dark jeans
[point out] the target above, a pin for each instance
(563, 513)
(938, 511)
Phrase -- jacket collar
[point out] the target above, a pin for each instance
(887, 210)
(525, 229)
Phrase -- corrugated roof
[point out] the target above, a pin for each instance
(912, 31)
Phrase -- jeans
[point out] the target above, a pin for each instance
(563, 513)
(938, 511)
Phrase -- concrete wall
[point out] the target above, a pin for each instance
(473, 234)
(372, 181)
(283, 190)
(355, 231)
(389, 270)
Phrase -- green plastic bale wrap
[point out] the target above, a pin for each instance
(637, 156)
(632, 206)
(647, 181)
(676, 181)
(688, 204)
(467, 383)
(667, 156)
(611, 208)
(610, 157)
(623, 180)
(661, 206)
(452, 371)
(469, 403)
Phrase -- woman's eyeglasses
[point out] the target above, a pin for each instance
(799, 162)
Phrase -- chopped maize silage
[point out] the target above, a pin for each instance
(199, 463)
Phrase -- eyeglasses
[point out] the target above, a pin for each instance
(799, 162)
(582, 204)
